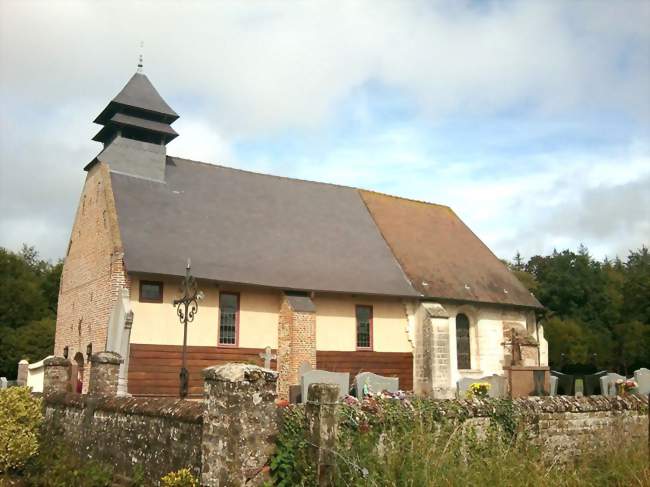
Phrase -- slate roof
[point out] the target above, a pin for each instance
(123, 120)
(248, 228)
(139, 94)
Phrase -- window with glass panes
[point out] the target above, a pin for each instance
(364, 326)
(151, 292)
(228, 318)
(462, 342)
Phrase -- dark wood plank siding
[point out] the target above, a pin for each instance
(154, 369)
(391, 364)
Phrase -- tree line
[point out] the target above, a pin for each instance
(597, 313)
(29, 292)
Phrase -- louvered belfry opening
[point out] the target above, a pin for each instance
(463, 351)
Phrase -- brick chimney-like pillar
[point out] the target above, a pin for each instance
(296, 340)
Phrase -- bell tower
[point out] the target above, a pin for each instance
(136, 127)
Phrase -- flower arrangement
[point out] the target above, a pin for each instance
(478, 390)
(626, 386)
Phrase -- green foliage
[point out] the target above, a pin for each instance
(20, 419)
(180, 478)
(29, 289)
(290, 465)
(57, 466)
(432, 443)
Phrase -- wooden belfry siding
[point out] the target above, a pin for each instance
(154, 369)
(391, 364)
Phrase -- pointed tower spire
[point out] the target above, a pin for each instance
(136, 129)
(137, 112)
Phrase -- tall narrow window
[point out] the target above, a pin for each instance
(364, 327)
(228, 319)
(462, 342)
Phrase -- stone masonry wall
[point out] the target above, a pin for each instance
(93, 271)
(228, 438)
(160, 435)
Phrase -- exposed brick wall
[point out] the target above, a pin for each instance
(93, 271)
(296, 344)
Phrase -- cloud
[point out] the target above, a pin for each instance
(262, 66)
(513, 113)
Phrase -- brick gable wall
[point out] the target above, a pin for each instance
(93, 271)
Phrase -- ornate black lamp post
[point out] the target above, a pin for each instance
(186, 308)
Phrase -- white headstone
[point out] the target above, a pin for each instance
(342, 379)
(642, 378)
(368, 382)
(608, 384)
(3, 382)
(554, 380)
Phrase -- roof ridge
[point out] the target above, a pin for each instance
(309, 181)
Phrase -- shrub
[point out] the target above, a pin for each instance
(180, 478)
(56, 465)
(20, 419)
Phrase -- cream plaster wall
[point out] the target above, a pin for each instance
(336, 323)
(157, 323)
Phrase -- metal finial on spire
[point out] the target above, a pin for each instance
(140, 59)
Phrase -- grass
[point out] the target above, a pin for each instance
(462, 456)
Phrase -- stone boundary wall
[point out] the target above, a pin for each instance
(160, 435)
(229, 437)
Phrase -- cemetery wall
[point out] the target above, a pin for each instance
(164, 434)
(160, 435)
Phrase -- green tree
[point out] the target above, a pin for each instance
(29, 289)
(632, 344)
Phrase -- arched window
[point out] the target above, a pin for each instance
(462, 342)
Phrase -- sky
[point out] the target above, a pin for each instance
(531, 119)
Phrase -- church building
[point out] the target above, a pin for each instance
(342, 278)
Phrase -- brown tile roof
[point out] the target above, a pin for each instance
(441, 256)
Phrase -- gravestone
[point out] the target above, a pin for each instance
(592, 383)
(579, 388)
(369, 382)
(304, 368)
(342, 379)
(642, 378)
(554, 381)
(268, 355)
(3, 382)
(608, 384)
(565, 383)
(497, 385)
(462, 386)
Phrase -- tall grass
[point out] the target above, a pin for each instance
(458, 454)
